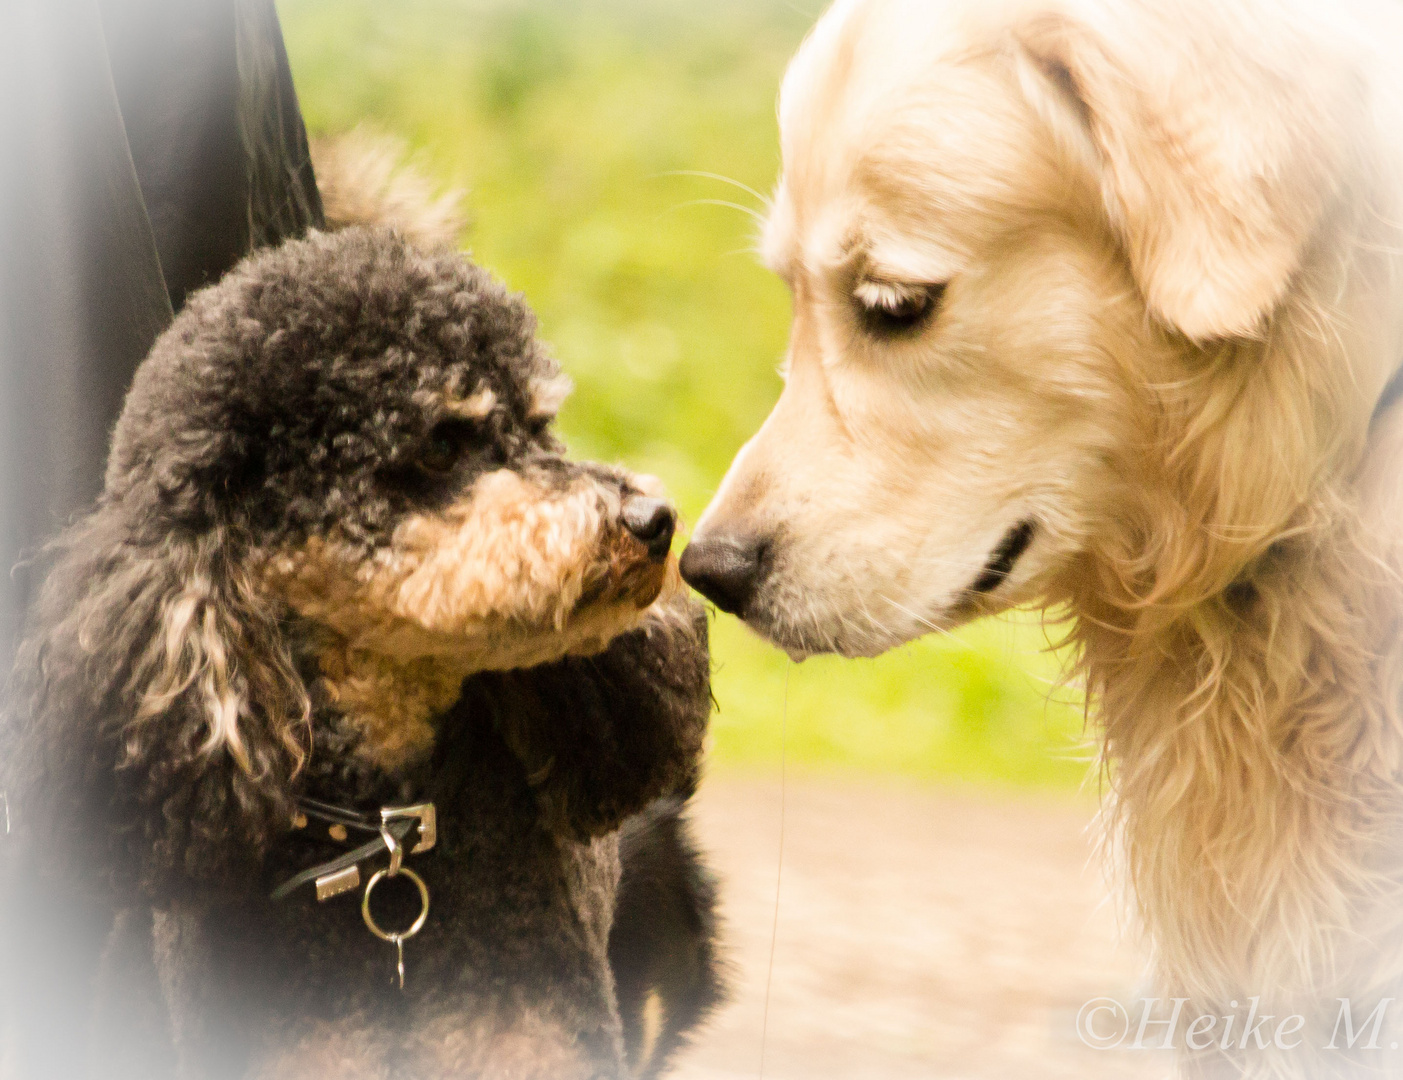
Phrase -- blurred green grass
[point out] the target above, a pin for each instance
(574, 125)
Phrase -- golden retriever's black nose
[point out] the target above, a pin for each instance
(724, 569)
(651, 521)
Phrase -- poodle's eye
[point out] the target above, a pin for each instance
(537, 426)
(891, 308)
(444, 447)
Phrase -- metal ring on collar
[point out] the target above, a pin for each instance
(404, 935)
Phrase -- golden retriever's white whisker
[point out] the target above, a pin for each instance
(934, 627)
(748, 211)
(761, 199)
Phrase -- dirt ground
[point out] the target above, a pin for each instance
(920, 933)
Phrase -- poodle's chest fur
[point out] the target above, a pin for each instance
(387, 707)
(511, 903)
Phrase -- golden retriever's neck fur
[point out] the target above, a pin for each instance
(1254, 746)
(1242, 641)
(1239, 616)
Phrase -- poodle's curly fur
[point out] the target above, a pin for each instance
(339, 555)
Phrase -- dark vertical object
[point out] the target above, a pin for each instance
(145, 147)
(175, 71)
(81, 292)
(282, 191)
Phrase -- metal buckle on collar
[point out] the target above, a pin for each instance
(426, 818)
(342, 875)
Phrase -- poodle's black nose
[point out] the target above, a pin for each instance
(651, 521)
(724, 569)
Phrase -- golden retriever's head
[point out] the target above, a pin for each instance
(1093, 287)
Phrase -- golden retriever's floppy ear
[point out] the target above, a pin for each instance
(1216, 167)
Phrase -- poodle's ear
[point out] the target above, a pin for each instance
(1215, 168)
(159, 683)
(218, 655)
(603, 736)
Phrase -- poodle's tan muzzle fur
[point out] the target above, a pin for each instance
(516, 573)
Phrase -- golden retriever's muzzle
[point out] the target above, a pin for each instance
(731, 569)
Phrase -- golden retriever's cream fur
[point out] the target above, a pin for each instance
(1161, 246)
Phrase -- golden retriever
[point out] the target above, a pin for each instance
(1098, 307)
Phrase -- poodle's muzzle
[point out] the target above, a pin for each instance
(526, 566)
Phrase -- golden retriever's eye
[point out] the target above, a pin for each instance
(889, 308)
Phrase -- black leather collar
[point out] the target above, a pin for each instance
(391, 827)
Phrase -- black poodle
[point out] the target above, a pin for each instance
(332, 710)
